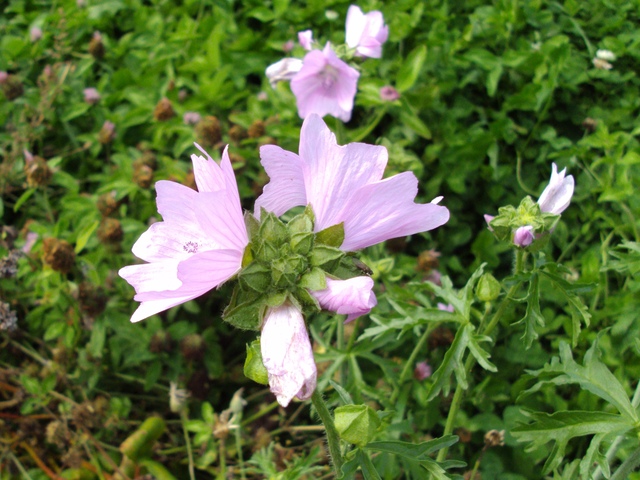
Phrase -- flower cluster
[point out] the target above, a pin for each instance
(322, 81)
(527, 225)
(283, 270)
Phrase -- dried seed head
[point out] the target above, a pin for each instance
(107, 203)
(57, 434)
(92, 299)
(440, 337)
(494, 438)
(96, 47)
(590, 124)
(59, 254)
(143, 175)
(161, 341)
(12, 87)
(237, 133)
(192, 347)
(256, 129)
(9, 264)
(428, 261)
(149, 159)
(164, 110)
(8, 318)
(208, 131)
(178, 398)
(110, 231)
(37, 171)
(107, 133)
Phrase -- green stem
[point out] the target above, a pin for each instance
(340, 347)
(333, 439)
(261, 413)
(409, 363)
(628, 466)
(187, 441)
(471, 361)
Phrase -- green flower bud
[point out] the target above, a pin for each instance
(302, 243)
(488, 288)
(253, 367)
(356, 424)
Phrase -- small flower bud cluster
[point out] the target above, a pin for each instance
(9, 264)
(8, 318)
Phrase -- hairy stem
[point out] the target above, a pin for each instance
(333, 439)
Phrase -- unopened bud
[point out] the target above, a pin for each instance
(422, 371)
(389, 94)
(488, 288)
(107, 133)
(428, 260)
(96, 47)
(523, 236)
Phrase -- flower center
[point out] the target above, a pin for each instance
(329, 76)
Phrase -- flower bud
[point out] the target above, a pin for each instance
(356, 424)
(389, 94)
(428, 260)
(107, 133)
(142, 175)
(58, 254)
(35, 34)
(191, 118)
(208, 131)
(488, 288)
(422, 371)
(164, 110)
(91, 95)
(523, 236)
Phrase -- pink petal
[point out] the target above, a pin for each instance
(306, 39)
(285, 189)
(355, 26)
(557, 195)
(333, 173)
(161, 288)
(287, 354)
(352, 297)
(384, 210)
(221, 220)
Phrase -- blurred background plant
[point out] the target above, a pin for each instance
(102, 98)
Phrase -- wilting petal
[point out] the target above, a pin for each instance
(557, 196)
(352, 297)
(325, 85)
(287, 354)
(283, 70)
(366, 33)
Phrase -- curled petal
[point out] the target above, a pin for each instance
(306, 39)
(523, 236)
(557, 195)
(287, 354)
(284, 70)
(352, 297)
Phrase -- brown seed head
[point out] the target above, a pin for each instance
(208, 131)
(256, 129)
(12, 87)
(110, 231)
(37, 171)
(96, 47)
(164, 110)
(58, 254)
(494, 438)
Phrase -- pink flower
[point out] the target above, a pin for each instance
(557, 195)
(3, 77)
(523, 236)
(344, 184)
(191, 118)
(198, 245)
(389, 94)
(366, 33)
(288, 46)
(445, 307)
(325, 85)
(36, 34)
(287, 354)
(91, 96)
(488, 218)
(422, 371)
(306, 39)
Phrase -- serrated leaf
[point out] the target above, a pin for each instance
(561, 427)
(481, 355)
(413, 451)
(451, 363)
(369, 471)
(533, 316)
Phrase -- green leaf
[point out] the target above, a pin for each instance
(344, 395)
(331, 236)
(413, 451)
(594, 377)
(533, 315)
(84, 235)
(409, 118)
(482, 356)
(452, 362)
(411, 68)
(369, 471)
(560, 427)
(254, 368)
(23, 198)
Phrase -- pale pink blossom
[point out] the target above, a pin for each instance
(445, 307)
(389, 94)
(35, 34)
(344, 184)
(191, 118)
(422, 371)
(557, 195)
(306, 39)
(198, 245)
(288, 46)
(91, 95)
(366, 32)
(325, 85)
(352, 297)
(488, 218)
(523, 236)
(285, 69)
(287, 354)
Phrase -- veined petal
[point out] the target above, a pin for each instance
(221, 220)
(333, 173)
(207, 173)
(385, 209)
(152, 277)
(287, 354)
(354, 26)
(557, 195)
(286, 187)
(352, 297)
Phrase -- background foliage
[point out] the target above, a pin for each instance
(491, 94)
